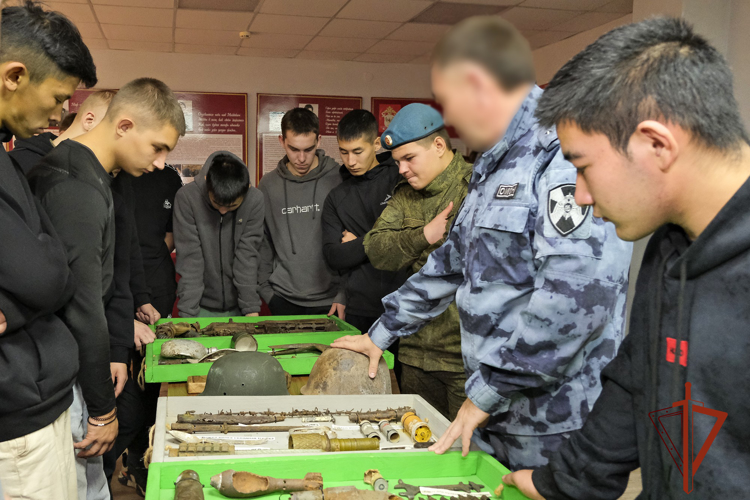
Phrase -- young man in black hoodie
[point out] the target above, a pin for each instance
(351, 210)
(42, 61)
(648, 117)
(143, 123)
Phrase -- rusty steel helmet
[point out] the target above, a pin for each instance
(246, 373)
(341, 371)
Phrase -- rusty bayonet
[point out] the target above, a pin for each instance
(208, 418)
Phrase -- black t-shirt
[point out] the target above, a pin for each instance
(154, 197)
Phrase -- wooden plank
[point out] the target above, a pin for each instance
(196, 384)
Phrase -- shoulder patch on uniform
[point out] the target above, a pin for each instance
(506, 191)
(564, 214)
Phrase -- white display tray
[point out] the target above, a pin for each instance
(278, 445)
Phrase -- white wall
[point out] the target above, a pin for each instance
(213, 73)
(549, 59)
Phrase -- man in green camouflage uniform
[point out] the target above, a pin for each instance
(410, 228)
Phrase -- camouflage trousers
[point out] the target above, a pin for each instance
(519, 452)
(443, 390)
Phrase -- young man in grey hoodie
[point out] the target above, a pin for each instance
(218, 228)
(294, 277)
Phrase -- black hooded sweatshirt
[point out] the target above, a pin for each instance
(690, 323)
(74, 189)
(355, 205)
(38, 354)
(27, 152)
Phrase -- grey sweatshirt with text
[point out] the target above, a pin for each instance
(292, 262)
(217, 255)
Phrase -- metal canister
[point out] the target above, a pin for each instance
(243, 341)
(390, 432)
(188, 486)
(376, 480)
(369, 430)
(308, 441)
(416, 427)
(354, 444)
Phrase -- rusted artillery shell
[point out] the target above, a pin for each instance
(240, 484)
(188, 486)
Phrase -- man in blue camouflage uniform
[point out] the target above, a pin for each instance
(540, 284)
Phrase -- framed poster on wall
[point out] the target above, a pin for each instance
(270, 110)
(215, 121)
(385, 108)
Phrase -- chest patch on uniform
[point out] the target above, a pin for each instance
(167, 205)
(507, 191)
(566, 216)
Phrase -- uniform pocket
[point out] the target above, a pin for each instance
(502, 247)
(510, 218)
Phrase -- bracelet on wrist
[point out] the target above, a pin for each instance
(101, 424)
(105, 417)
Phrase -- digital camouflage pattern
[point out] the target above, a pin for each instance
(397, 242)
(541, 312)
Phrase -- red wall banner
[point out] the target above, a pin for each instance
(385, 108)
(270, 110)
(215, 121)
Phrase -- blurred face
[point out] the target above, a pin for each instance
(474, 103)
(626, 191)
(30, 106)
(224, 209)
(140, 150)
(300, 150)
(358, 155)
(419, 165)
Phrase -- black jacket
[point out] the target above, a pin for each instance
(154, 194)
(690, 323)
(355, 205)
(27, 152)
(75, 191)
(38, 354)
(130, 289)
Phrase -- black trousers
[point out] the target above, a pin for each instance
(279, 306)
(136, 413)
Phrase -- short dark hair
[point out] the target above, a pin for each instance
(300, 121)
(227, 179)
(492, 42)
(654, 69)
(443, 132)
(46, 42)
(66, 122)
(152, 100)
(356, 124)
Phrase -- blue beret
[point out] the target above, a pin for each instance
(414, 122)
